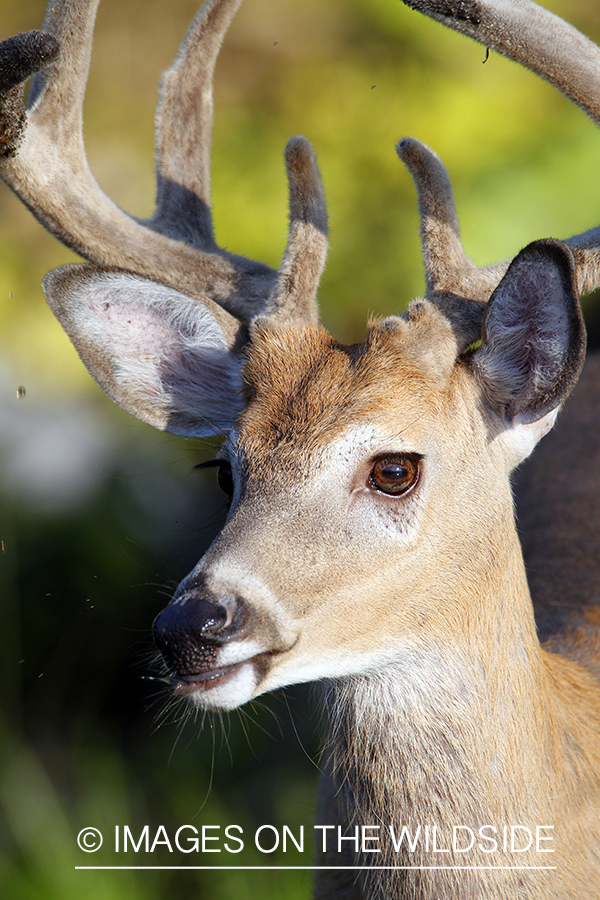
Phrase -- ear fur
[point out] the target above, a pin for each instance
(533, 337)
(170, 360)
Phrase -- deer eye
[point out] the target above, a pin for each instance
(225, 478)
(395, 475)
(224, 474)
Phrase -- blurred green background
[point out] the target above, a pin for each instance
(100, 516)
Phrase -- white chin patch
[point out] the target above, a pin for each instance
(237, 689)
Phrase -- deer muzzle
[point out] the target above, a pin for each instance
(190, 634)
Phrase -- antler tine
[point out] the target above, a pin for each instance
(554, 50)
(20, 57)
(69, 202)
(448, 270)
(54, 123)
(64, 80)
(295, 293)
(184, 127)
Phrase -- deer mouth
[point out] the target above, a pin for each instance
(184, 685)
(224, 686)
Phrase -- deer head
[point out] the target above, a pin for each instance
(368, 484)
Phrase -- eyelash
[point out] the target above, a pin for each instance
(224, 474)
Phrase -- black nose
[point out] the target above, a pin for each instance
(189, 633)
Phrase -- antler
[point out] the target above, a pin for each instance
(553, 49)
(44, 163)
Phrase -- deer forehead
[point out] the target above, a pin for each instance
(305, 390)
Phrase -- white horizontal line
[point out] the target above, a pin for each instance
(320, 868)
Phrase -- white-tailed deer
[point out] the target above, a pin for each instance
(370, 543)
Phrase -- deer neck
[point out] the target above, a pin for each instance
(411, 744)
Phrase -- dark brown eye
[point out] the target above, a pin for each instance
(394, 474)
(225, 478)
(224, 474)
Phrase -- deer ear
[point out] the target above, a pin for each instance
(170, 360)
(533, 337)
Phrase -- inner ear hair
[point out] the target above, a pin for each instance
(533, 337)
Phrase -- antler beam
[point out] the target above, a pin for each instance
(554, 50)
(44, 162)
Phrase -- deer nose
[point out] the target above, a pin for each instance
(189, 632)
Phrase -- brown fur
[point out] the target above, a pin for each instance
(303, 388)
(413, 610)
(517, 738)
